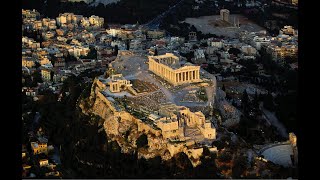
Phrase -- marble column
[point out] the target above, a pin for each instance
(181, 76)
(165, 72)
(177, 77)
(184, 76)
(198, 74)
(192, 75)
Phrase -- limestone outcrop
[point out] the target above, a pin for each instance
(123, 127)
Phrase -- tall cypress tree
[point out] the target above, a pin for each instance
(223, 88)
(156, 52)
(244, 100)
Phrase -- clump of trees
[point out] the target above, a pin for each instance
(142, 141)
(92, 54)
(123, 12)
(234, 51)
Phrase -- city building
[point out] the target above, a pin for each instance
(215, 42)
(192, 36)
(224, 15)
(60, 63)
(77, 51)
(49, 24)
(30, 91)
(44, 60)
(68, 18)
(258, 42)
(28, 62)
(294, 2)
(136, 44)
(169, 67)
(287, 30)
(248, 50)
(153, 34)
(173, 121)
(37, 25)
(117, 83)
(48, 35)
(86, 1)
(38, 148)
(46, 74)
(199, 56)
(121, 33)
(30, 43)
(284, 45)
(30, 14)
(43, 162)
(96, 21)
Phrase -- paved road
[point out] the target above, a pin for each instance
(35, 121)
(154, 23)
(274, 121)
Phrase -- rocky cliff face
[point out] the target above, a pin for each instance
(123, 128)
(230, 114)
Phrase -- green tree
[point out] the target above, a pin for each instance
(244, 99)
(37, 78)
(37, 65)
(92, 54)
(116, 49)
(239, 167)
(182, 161)
(193, 28)
(194, 46)
(256, 100)
(204, 44)
(51, 75)
(128, 44)
(268, 102)
(156, 52)
(225, 157)
(69, 58)
(142, 141)
(234, 51)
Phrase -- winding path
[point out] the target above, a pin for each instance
(154, 23)
(272, 119)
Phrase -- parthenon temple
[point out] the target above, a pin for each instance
(168, 66)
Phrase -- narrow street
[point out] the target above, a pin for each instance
(272, 119)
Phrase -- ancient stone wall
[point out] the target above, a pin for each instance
(175, 148)
(147, 128)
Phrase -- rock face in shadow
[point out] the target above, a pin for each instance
(125, 129)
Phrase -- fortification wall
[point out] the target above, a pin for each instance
(117, 123)
(175, 148)
(147, 128)
(195, 153)
(208, 132)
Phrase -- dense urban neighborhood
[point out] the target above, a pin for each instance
(200, 89)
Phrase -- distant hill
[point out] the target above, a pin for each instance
(104, 2)
(124, 11)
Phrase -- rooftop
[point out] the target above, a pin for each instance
(170, 60)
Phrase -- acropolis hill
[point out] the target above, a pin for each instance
(168, 106)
